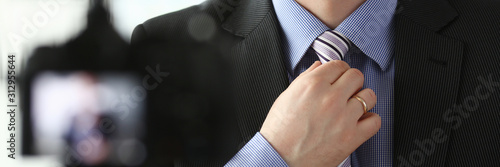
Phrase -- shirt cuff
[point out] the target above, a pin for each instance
(257, 152)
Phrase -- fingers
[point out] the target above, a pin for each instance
(368, 126)
(311, 68)
(349, 83)
(331, 70)
(346, 81)
(357, 107)
(368, 123)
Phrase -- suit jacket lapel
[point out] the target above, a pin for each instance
(258, 62)
(427, 79)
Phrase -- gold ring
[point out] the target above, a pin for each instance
(362, 102)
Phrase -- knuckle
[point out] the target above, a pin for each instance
(377, 123)
(357, 73)
(339, 65)
(313, 80)
(333, 99)
(334, 95)
(371, 95)
(342, 64)
(347, 137)
(311, 83)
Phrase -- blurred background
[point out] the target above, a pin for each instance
(28, 24)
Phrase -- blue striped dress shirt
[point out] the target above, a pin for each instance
(370, 28)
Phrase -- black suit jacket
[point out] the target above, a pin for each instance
(447, 76)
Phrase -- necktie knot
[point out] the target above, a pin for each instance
(331, 45)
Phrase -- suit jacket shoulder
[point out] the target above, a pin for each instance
(196, 23)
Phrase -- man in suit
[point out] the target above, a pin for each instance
(433, 65)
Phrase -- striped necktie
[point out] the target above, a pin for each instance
(331, 45)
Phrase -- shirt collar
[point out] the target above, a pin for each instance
(300, 29)
(370, 28)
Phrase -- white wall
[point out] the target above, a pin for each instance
(27, 24)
